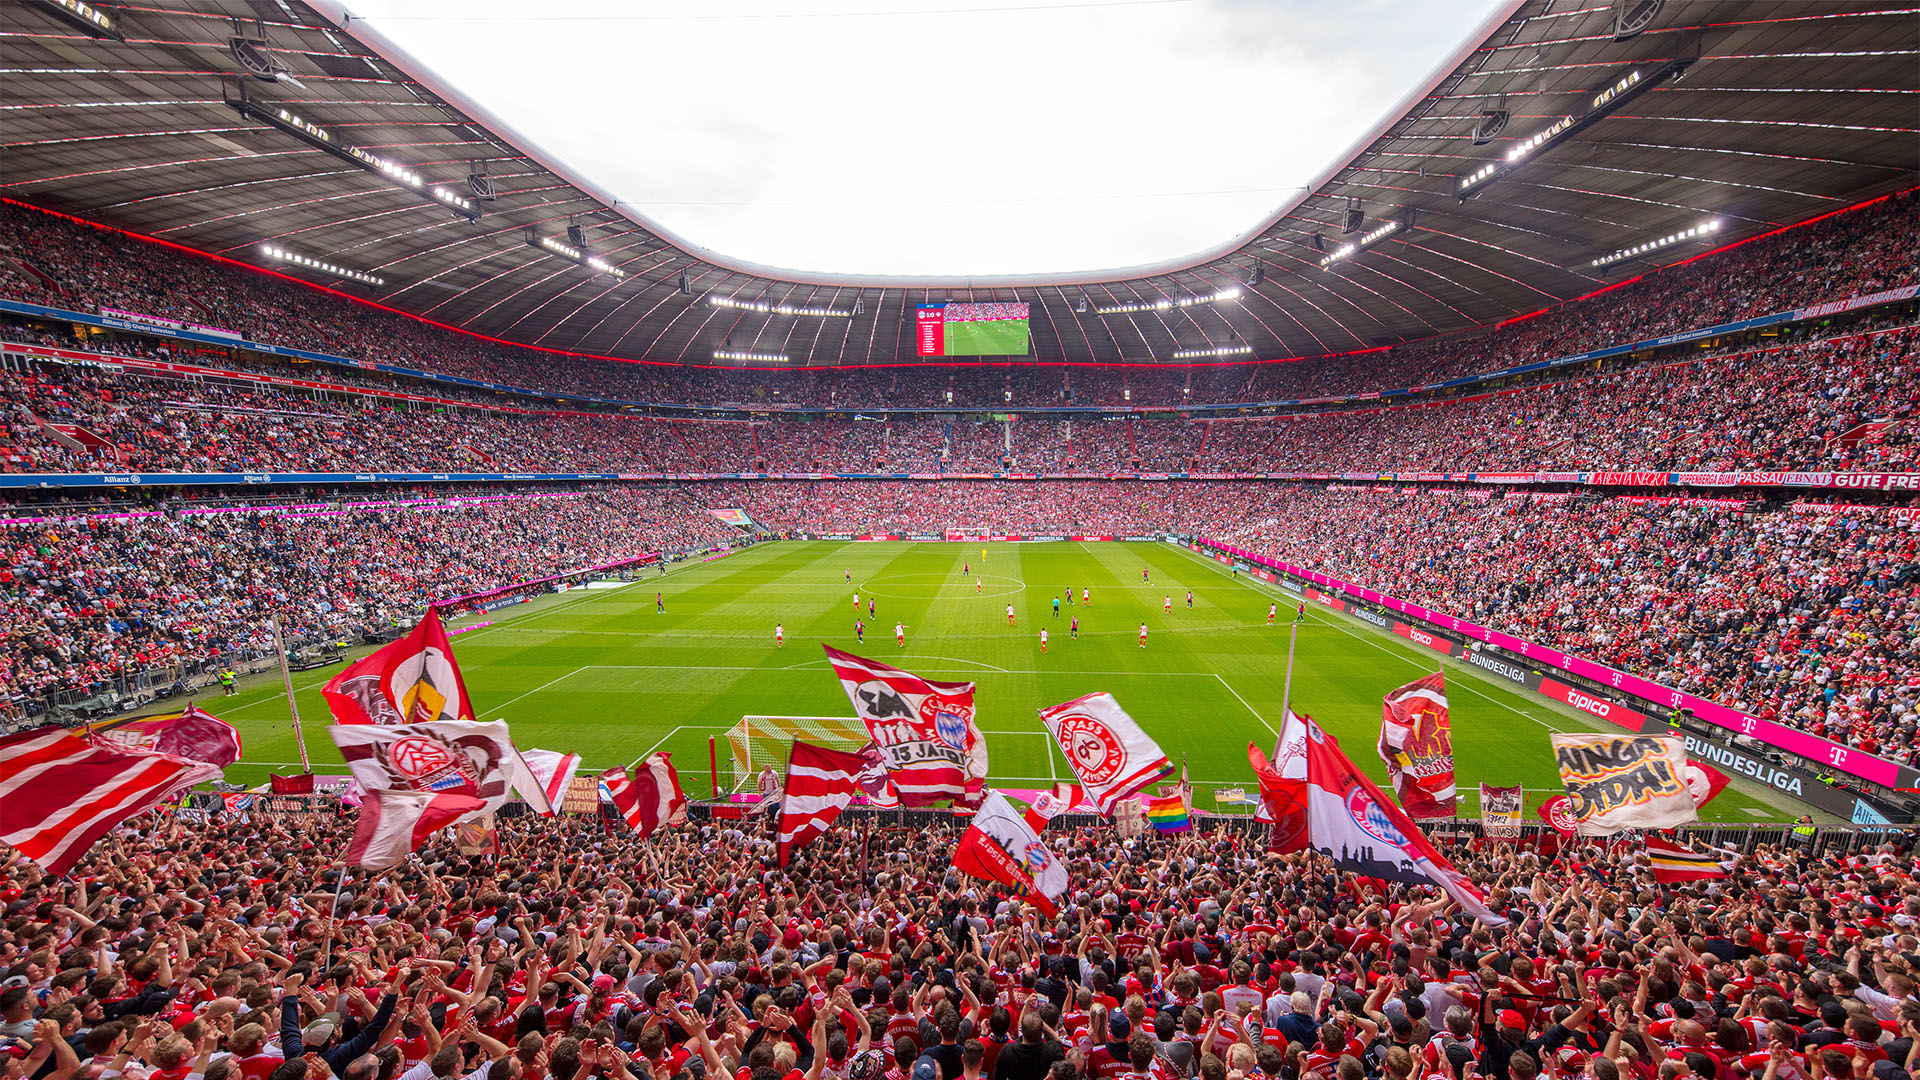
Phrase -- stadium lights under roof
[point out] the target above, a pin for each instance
(1703, 229)
(586, 259)
(1605, 101)
(393, 172)
(1367, 239)
(280, 254)
(1168, 303)
(750, 357)
(1216, 350)
(777, 309)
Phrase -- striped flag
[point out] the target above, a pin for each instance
(650, 797)
(553, 771)
(820, 784)
(1169, 815)
(934, 750)
(1675, 864)
(59, 793)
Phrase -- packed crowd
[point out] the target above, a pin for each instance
(89, 601)
(1854, 253)
(1806, 617)
(1833, 403)
(237, 949)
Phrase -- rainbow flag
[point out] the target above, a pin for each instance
(1169, 815)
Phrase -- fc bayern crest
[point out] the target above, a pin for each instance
(1037, 857)
(1097, 755)
(952, 729)
(1367, 814)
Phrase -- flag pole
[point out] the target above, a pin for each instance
(333, 913)
(286, 680)
(1286, 688)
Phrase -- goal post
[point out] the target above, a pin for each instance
(758, 741)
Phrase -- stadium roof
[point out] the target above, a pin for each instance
(1751, 116)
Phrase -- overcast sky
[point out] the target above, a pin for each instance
(944, 137)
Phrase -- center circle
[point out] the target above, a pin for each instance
(942, 586)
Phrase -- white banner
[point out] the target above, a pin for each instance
(1106, 748)
(1620, 782)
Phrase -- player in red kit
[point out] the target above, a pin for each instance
(1009, 614)
(1143, 635)
(1043, 642)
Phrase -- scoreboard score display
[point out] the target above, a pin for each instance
(970, 329)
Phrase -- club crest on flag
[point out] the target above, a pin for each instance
(426, 764)
(951, 726)
(1373, 821)
(1096, 754)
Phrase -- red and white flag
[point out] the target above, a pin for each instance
(60, 792)
(1109, 753)
(188, 732)
(1283, 801)
(1004, 845)
(1051, 804)
(553, 771)
(394, 823)
(1704, 782)
(820, 784)
(1557, 812)
(1354, 824)
(409, 680)
(1416, 742)
(650, 796)
(926, 729)
(445, 755)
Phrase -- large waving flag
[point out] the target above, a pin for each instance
(410, 680)
(393, 823)
(456, 756)
(820, 784)
(926, 729)
(185, 733)
(60, 792)
(1617, 782)
(553, 771)
(650, 797)
(1416, 742)
(1003, 845)
(1108, 752)
(1355, 824)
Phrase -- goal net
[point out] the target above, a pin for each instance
(757, 742)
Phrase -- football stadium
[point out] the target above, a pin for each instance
(1026, 540)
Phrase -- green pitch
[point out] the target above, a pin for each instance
(987, 337)
(602, 674)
